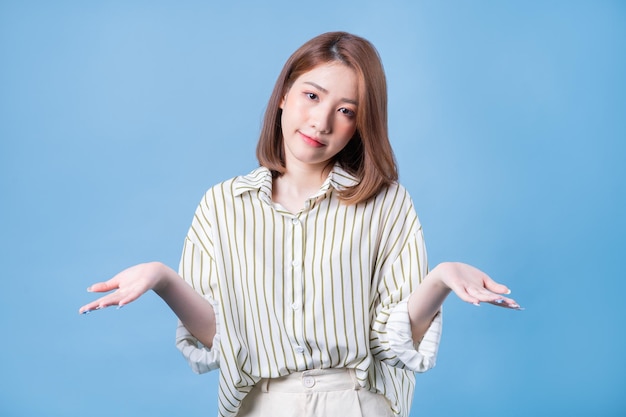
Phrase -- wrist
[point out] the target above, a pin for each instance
(162, 275)
(437, 275)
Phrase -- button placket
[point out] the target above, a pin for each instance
(296, 302)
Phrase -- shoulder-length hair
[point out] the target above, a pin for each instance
(368, 155)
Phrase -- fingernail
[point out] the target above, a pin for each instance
(86, 312)
(88, 289)
(499, 301)
(477, 304)
(119, 306)
(508, 292)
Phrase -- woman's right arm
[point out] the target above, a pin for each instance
(193, 310)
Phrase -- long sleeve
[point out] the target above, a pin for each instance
(391, 329)
(197, 268)
(200, 358)
(416, 357)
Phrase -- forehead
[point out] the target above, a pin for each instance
(332, 78)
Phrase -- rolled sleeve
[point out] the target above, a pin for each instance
(417, 357)
(200, 358)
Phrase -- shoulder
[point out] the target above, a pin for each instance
(394, 194)
(394, 201)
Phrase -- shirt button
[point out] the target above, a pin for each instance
(295, 306)
(295, 221)
(299, 349)
(308, 381)
(294, 263)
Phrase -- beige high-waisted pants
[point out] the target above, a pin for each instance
(314, 393)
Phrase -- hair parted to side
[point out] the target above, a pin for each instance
(368, 156)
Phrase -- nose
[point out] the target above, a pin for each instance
(321, 119)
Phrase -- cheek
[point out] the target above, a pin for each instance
(291, 109)
(347, 130)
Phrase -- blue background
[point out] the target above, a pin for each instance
(508, 122)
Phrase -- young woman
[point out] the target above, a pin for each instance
(306, 282)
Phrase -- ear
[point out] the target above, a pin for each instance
(284, 99)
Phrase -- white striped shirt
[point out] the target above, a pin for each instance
(322, 288)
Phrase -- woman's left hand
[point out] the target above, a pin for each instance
(474, 286)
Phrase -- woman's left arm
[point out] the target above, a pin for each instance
(467, 282)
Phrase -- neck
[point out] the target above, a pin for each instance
(306, 176)
(297, 184)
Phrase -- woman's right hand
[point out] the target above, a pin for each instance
(127, 286)
(193, 310)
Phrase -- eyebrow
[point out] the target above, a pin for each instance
(325, 91)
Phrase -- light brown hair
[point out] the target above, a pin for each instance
(368, 156)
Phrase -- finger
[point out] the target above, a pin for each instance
(94, 305)
(475, 294)
(482, 294)
(506, 303)
(129, 298)
(87, 308)
(119, 298)
(496, 287)
(490, 284)
(108, 300)
(466, 295)
(103, 286)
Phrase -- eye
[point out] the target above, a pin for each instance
(312, 96)
(347, 112)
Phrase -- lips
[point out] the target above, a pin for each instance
(311, 140)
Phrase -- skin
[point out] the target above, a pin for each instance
(319, 119)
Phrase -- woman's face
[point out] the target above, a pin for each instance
(319, 115)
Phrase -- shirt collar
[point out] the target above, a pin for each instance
(261, 179)
(340, 179)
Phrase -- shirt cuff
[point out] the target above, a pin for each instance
(418, 357)
(200, 358)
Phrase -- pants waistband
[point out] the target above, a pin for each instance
(318, 380)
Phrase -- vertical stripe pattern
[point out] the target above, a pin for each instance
(314, 289)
